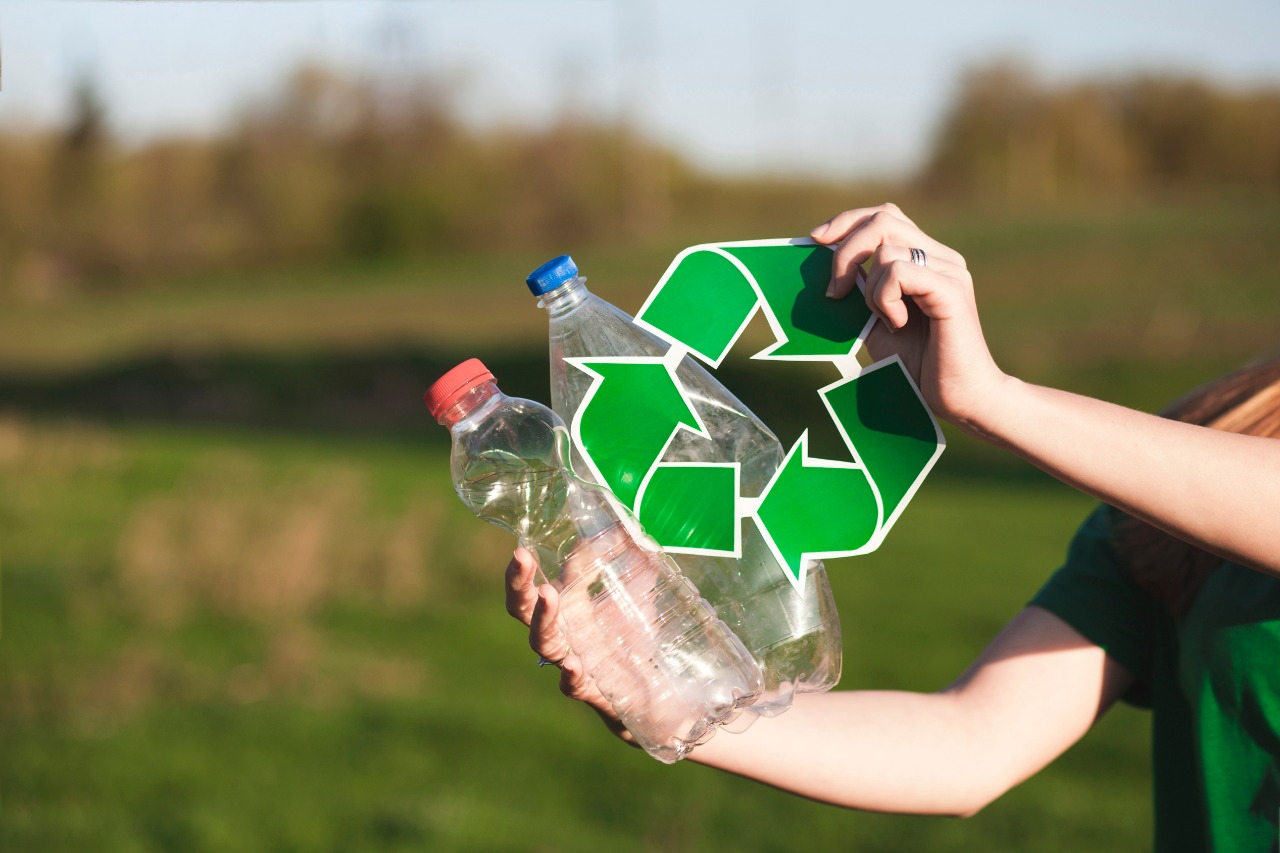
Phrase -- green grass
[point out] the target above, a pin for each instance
(350, 721)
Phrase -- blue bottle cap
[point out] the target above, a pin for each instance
(551, 275)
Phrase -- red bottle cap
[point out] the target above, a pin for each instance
(446, 390)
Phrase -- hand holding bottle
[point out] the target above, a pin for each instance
(666, 666)
(538, 608)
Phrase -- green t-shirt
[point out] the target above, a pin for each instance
(1211, 679)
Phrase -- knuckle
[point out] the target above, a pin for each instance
(898, 267)
(573, 685)
(848, 247)
(885, 256)
(891, 207)
(845, 258)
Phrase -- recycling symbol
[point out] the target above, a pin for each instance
(812, 508)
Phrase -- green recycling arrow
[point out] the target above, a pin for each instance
(812, 508)
(817, 508)
(709, 294)
(805, 489)
(631, 412)
(609, 426)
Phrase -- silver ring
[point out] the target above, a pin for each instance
(919, 257)
(545, 662)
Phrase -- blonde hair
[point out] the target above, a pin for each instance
(1172, 571)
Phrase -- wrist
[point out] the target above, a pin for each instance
(991, 412)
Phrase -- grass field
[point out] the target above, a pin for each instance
(250, 642)
(279, 630)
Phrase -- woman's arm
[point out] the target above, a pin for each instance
(1219, 491)
(1031, 694)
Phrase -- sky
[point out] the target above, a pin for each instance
(833, 89)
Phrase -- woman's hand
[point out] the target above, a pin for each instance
(927, 314)
(1217, 490)
(538, 608)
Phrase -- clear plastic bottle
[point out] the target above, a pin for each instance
(671, 669)
(795, 638)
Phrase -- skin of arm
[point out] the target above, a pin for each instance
(1034, 691)
(1217, 490)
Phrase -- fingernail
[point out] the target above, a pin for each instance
(831, 289)
(816, 233)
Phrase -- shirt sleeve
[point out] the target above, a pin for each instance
(1092, 594)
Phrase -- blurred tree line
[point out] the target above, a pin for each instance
(333, 167)
(1009, 136)
(329, 167)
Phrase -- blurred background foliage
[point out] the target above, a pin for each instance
(242, 608)
(349, 168)
(1009, 135)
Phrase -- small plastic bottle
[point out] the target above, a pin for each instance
(670, 668)
(795, 638)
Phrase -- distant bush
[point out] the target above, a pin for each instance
(329, 167)
(1008, 135)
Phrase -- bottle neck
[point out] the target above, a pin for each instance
(565, 298)
(472, 406)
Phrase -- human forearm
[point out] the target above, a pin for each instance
(1030, 694)
(1215, 489)
(873, 750)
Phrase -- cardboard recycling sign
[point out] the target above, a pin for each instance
(701, 306)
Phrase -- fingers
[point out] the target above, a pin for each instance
(837, 227)
(545, 636)
(888, 254)
(940, 293)
(521, 590)
(890, 267)
(547, 640)
(862, 231)
(539, 608)
(574, 682)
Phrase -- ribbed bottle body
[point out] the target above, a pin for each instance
(672, 670)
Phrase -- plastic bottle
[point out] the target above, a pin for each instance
(671, 669)
(795, 638)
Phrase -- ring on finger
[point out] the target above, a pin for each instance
(542, 661)
(919, 258)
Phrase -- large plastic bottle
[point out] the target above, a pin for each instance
(671, 669)
(795, 637)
